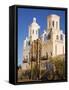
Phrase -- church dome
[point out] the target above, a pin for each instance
(53, 15)
(35, 24)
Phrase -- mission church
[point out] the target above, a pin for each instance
(52, 39)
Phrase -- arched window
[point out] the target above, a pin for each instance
(51, 53)
(49, 35)
(56, 25)
(53, 23)
(33, 31)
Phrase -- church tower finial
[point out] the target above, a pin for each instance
(34, 19)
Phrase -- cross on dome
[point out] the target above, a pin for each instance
(34, 19)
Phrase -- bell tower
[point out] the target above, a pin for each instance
(53, 22)
(34, 30)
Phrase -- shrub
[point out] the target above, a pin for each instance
(59, 63)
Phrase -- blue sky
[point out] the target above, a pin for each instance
(25, 17)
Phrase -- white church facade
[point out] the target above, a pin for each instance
(32, 35)
(52, 39)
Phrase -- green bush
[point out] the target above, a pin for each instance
(59, 63)
(35, 72)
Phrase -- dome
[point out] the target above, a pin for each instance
(54, 16)
(34, 19)
(35, 24)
